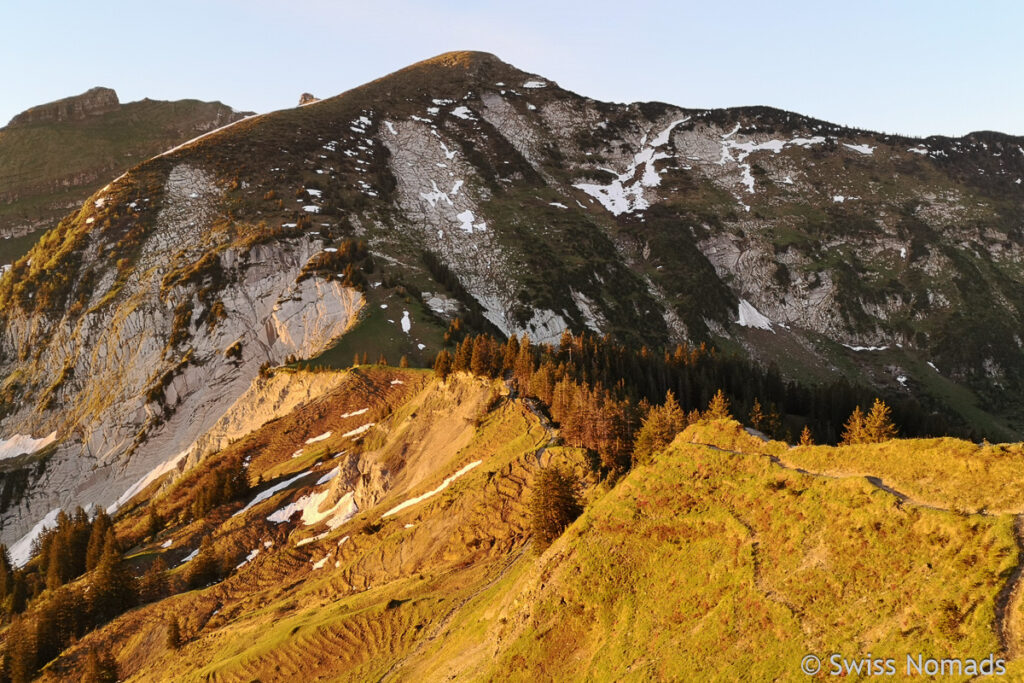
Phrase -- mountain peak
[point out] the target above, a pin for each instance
(92, 102)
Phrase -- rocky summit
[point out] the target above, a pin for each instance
(237, 330)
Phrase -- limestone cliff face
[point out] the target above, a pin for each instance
(128, 399)
(92, 102)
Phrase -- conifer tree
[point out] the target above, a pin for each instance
(523, 369)
(658, 429)
(154, 585)
(112, 589)
(18, 599)
(154, 523)
(403, 362)
(480, 360)
(463, 355)
(205, 568)
(443, 364)
(805, 437)
(878, 424)
(554, 504)
(757, 417)
(97, 537)
(6, 575)
(853, 430)
(718, 407)
(173, 634)
(509, 355)
(20, 651)
(100, 667)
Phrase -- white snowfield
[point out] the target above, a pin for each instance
(325, 435)
(419, 499)
(248, 558)
(264, 495)
(188, 558)
(145, 481)
(309, 505)
(751, 317)
(358, 430)
(866, 348)
(620, 196)
(20, 444)
(863, 149)
(21, 551)
(327, 477)
(406, 322)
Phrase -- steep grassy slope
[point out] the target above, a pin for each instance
(725, 558)
(720, 565)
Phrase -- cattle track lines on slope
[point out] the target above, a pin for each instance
(443, 624)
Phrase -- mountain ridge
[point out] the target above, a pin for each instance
(541, 212)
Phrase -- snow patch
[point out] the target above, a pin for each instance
(327, 477)
(535, 84)
(406, 322)
(315, 439)
(751, 317)
(466, 219)
(863, 149)
(866, 348)
(21, 551)
(463, 113)
(248, 558)
(188, 558)
(20, 444)
(358, 430)
(153, 475)
(264, 495)
(354, 412)
(419, 499)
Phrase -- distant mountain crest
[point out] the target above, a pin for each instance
(92, 102)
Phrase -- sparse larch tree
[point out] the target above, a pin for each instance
(718, 407)
(853, 430)
(443, 365)
(805, 437)
(878, 424)
(658, 429)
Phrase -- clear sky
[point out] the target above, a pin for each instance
(908, 67)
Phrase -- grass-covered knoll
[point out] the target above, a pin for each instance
(944, 472)
(947, 473)
(40, 161)
(715, 565)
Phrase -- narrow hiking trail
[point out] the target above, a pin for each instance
(1008, 600)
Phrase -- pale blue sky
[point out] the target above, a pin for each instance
(908, 67)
